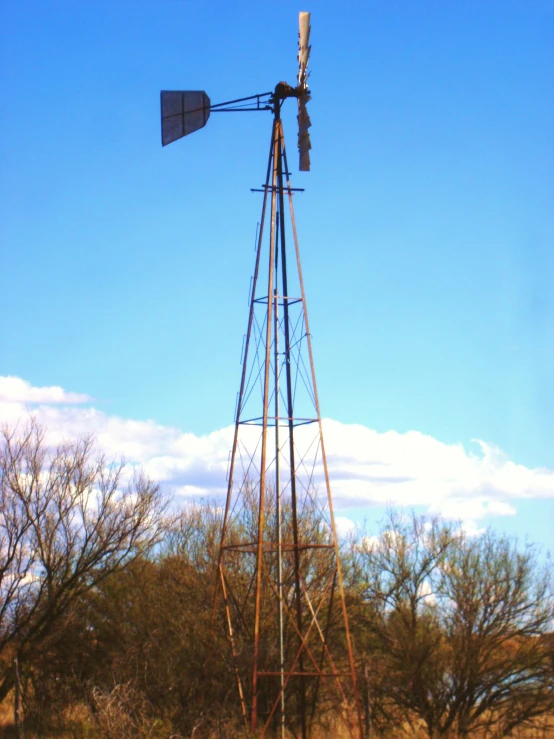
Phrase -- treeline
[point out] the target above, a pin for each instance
(106, 613)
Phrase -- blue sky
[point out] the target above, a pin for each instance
(426, 227)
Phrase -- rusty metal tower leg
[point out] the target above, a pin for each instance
(279, 568)
(290, 414)
(263, 458)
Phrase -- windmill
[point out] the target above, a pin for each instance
(279, 585)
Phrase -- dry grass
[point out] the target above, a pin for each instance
(6, 713)
(543, 730)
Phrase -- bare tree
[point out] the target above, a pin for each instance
(454, 626)
(142, 645)
(139, 647)
(68, 519)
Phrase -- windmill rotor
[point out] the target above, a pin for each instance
(303, 94)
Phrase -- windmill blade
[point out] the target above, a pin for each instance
(304, 123)
(183, 112)
(303, 47)
(304, 144)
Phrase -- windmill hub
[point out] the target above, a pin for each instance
(284, 90)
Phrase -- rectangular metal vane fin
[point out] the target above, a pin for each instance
(183, 112)
(303, 45)
(304, 150)
(304, 144)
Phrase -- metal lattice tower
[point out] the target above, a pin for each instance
(286, 611)
(280, 588)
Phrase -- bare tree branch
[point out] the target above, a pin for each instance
(67, 521)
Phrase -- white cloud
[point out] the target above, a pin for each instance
(426, 593)
(365, 466)
(471, 528)
(369, 543)
(345, 526)
(16, 390)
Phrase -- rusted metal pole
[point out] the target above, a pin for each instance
(278, 513)
(290, 413)
(326, 470)
(263, 456)
(233, 647)
(243, 376)
(323, 647)
(221, 553)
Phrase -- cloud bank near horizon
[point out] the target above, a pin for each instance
(366, 467)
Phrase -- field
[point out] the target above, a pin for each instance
(82, 729)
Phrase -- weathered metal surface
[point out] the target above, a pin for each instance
(183, 112)
(304, 122)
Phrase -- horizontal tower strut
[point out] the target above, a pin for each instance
(265, 188)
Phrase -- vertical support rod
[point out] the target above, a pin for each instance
(326, 469)
(244, 371)
(219, 575)
(290, 413)
(263, 462)
(233, 647)
(323, 647)
(278, 532)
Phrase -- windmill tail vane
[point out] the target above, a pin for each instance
(279, 593)
(185, 111)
